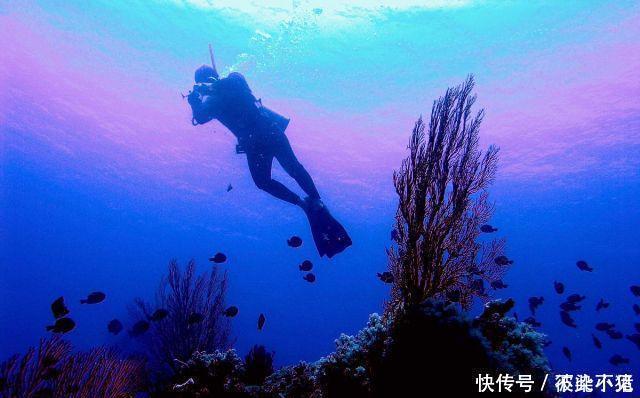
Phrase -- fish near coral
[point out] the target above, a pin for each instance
(486, 228)
(309, 277)
(218, 258)
(261, 321)
(498, 284)
(575, 298)
(604, 326)
(617, 360)
(614, 334)
(115, 327)
(532, 322)
(559, 287)
(62, 325)
(570, 307)
(601, 305)
(194, 318)
(503, 261)
(159, 315)
(567, 353)
(596, 341)
(534, 303)
(94, 298)
(139, 328)
(583, 266)
(231, 312)
(58, 308)
(294, 241)
(386, 277)
(306, 266)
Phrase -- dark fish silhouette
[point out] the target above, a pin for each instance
(294, 241)
(386, 277)
(533, 322)
(618, 360)
(596, 341)
(114, 326)
(635, 290)
(637, 326)
(604, 326)
(394, 235)
(614, 334)
(583, 266)
(474, 270)
(58, 308)
(219, 258)
(94, 298)
(602, 305)
(559, 286)
(534, 303)
(229, 187)
(62, 325)
(635, 339)
(231, 311)
(502, 260)
(575, 298)
(159, 315)
(139, 328)
(478, 286)
(567, 320)
(570, 307)
(636, 309)
(194, 318)
(309, 277)
(453, 296)
(498, 284)
(306, 266)
(566, 352)
(261, 320)
(486, 228)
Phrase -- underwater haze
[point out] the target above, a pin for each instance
(104, 179)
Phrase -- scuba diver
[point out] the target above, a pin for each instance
(261, 136)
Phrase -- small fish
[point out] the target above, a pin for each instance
(604, 326)
(566, 352)
(386, 277)
(159, 315)
(498, 284)
(575, 298)
(309, 277)
(58, 308)
(583, 266)
(229, 187)
(294, 241)
(306, 266)
(231, 311)
(533, 322)
(194, 318)
(618, 360)
(570, 307)
(596, 341)
(394, 235)
(559, 286)
(474, 270)
(219, 258)
(139, 328)
(114, 326)
(486, 228)
(502, 260)
(94, 298)
(534, 303)
(636, 309)
(62, 325)
(567, 320)
(602, 305)
(261, 320)
(478, 286)
(635, 290)
(635, 339)
(453, 296)
(614, 334)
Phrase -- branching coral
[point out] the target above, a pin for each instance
(443, 202)
(258, 365)
(53, 371)
(183, 293)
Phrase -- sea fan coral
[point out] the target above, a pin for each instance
(184, 293)
(258, 365)
(443, 202)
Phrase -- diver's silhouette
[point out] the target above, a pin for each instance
(261, 136)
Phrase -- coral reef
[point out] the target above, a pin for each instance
(432, 347)
(258, 365)
(53, 371)
(443, 202)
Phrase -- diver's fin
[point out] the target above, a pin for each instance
(329, 235)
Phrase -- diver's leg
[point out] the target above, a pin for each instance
(290, 164)
(260, 168)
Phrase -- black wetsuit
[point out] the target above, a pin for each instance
(260, 133)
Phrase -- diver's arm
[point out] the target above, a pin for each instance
(201, 109)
